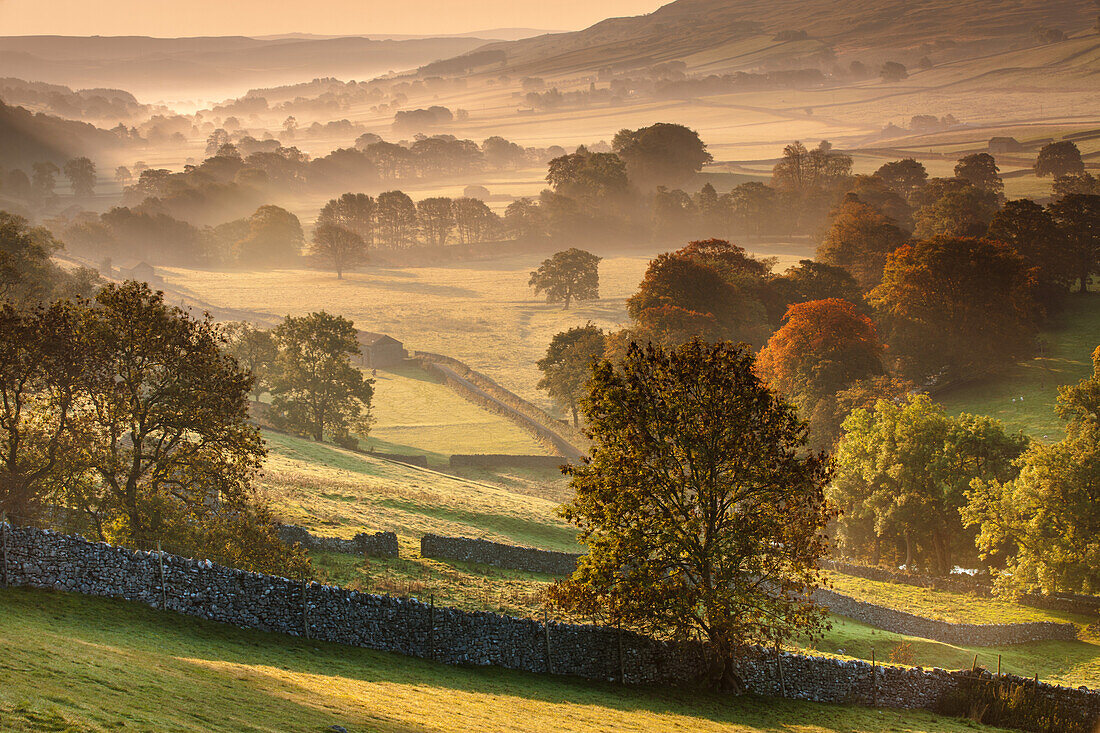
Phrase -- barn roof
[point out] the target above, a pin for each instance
(368, 338)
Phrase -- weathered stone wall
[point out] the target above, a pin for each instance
(379, 544)
(44, 559)
(498, 554)
(489, 460)
(900, 622)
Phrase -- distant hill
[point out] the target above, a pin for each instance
(698, 29)
(155, 68)
(27, 138)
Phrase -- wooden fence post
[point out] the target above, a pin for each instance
(546, 629)
(998, 666)
(163, 589)
(431, 628)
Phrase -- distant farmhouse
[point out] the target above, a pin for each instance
(379, 351)
(1005, 145)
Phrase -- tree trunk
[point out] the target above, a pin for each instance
(568, 298)
(576, 422)
(908, 552)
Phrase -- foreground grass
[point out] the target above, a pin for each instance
(1024, 396)
(70, 663)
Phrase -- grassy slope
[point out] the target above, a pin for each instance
(69, 663)
(1066, 359)
(415, 413)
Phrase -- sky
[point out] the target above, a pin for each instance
(173, 18)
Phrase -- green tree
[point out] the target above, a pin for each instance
(806, 281)
(1059, 159)
(661, 154)
(752, 208)
(352, 211)
(905, 177)
(341, 248)
(274, 238)
(568, 275)
(981, 171)
(902, 473)
(255, 350)
(27, 275)
(702, 512)
(81, 174)
(1048, 518)
(1033, 234)
(588, 177)
(566, 366)
(316, 392)
(1077, 218)
(803, 171)
(45, 179)
(859, 239)
(961, 210)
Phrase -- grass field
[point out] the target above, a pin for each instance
(1024, 396)
(71, 663)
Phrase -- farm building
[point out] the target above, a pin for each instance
(1004, 145)
(379, 351)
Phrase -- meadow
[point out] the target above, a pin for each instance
(72, 664)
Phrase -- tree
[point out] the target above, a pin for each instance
(902, 473)
(893, 71)
(823, 347)
(437, 219)
(27, 275)
(123, 175)
(566, 366)
(316, 392)
(1032, 233)
(41, 376)
(274, 238)
(474, 221)
(45, 179)
(809, 280)
(905, 177)
(702, 512)
(167, 424)
(981, 171)
(1083, 183)
(571, 274)
(1047, 519)
(354, 212)
(1059, 159)
(396, 216)
(859, 240)
(803, 171)
(753, 208)
(255, 350)
(962, 210)
(524, 220)
(661, 154)
(339, 247)
(588, 177)
(1077, 218)
(955, 308)
(81, 174)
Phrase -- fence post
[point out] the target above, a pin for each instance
(431, 628)
(305, 611)
(874, 680)
(163, 589)
(779, 666)
(998, 666)
(546, 629)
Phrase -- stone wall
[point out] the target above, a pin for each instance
(488, 460)
(900, 622)
(498, 555)
(43, 559)
(379, 544)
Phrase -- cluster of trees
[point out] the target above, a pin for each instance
(38, 190)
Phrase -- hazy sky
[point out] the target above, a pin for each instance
(260, 17)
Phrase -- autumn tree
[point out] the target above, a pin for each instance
(823, 347)
(661, 154)
(859, 239)
(566, 366)
(352, 211)
(1077, 218)
(81, 174)
(338, 247)
(902, 475)
(955, 308)
(255, 350)
(437, 219)
(572, 274)
(274, 238)
(806, 281)
(702, 512)
(1062, 158)
(316, 392)
(1048, 517)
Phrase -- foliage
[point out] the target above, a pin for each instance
(566, 366)
(905, 176)
(316, 391)
(661, 154)
(1062, 158)
(26, 273)
(437, 219)
(1077, 217)
(806, 281)
(274, 238)
(1031, 232)
(980, 170)
(955, 209)
(859, 240)
(902, 473)
(352, 211)
(342, 248)
(255, 350)
(803, 171)
(955, 308)
(81, 174)
(702, 513)
(570, 274)
(1049, 516)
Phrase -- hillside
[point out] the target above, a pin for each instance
(150, 66)
(27, 138)
(686, 27)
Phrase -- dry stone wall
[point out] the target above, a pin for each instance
(492, 460)
(44, 559)
(499, 555)
(379, 544)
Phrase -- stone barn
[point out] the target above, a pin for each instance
(379, 351)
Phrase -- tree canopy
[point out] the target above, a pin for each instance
(567, 276)
(566, 366)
